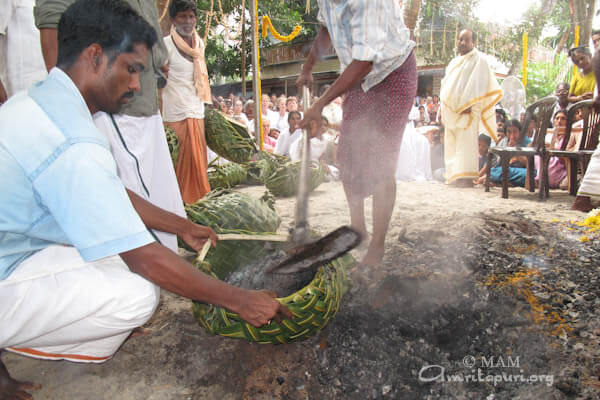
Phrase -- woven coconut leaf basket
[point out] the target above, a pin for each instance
(312, 306)
(228, 138)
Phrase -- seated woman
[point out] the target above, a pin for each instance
(557, 171)
(286, 138)
(583, 81)
(517, 170)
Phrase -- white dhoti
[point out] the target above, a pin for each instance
(468, 95)
(144, 163)
(590, 184)
(461, 151)
(56, 306)
(414, 163)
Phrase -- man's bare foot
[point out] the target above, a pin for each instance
(582, 203)
(140, 331)
(13, 389)
(374, 255)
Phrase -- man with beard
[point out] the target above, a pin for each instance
(183, 99)
(78, 268)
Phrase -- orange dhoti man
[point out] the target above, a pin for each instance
(183, 110)
(192, 163)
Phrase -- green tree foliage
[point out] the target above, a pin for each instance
(542, 78)
(224, 46)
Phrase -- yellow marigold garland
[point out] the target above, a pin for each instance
(266, 23)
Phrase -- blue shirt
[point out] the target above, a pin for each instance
(59, 179)
(367, 30)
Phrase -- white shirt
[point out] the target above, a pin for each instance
(317, 149)
(284, 141)
(367, 30)
(279, 122)
(242, 118)
(333, 113)
(180, 100)
(21, 61)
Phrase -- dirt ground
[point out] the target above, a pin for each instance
(424, 307)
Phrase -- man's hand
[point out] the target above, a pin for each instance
(304, 79)
(259, 307)
(314, 113)
(196, 235)
(165, 70)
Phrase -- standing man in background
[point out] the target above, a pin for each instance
(21, 62)
(468, 95)
(136, 135)
(379, 78)
(183, 99)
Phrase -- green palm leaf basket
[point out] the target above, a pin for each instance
(226, 176)
(228, 138)
(284, 181)
(312, 306)
(265, 164)
(228, 211)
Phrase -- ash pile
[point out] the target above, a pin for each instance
(486, 307)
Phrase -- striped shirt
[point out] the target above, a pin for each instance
(367, 30)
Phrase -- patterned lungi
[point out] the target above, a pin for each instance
(372, 128)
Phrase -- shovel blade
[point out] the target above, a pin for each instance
(310, 256)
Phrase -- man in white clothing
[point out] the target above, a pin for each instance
(469, 93)
(21, 61)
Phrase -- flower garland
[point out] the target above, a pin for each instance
(266, 23)
(525, 40)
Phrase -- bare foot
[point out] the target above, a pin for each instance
(140, 331)
(13, 389)
(582, 203)
(374, 255)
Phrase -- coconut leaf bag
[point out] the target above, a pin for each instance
(232, 212)
(312, 306)
(228, 138)
(284, 181)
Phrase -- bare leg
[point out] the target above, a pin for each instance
(357, 212)
(12, 389)
(384, 199)
(582, 203)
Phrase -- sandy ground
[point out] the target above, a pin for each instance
(178, 360)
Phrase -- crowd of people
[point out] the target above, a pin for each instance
(91, 193)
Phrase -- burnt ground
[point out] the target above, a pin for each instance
(475, 297)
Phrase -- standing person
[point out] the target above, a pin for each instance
(78, 268)
(183, 99)
(468, 95)
(136, 134)
(433, 108)
(379, 79)
(21, 61)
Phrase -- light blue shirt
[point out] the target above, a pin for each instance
(59, 179)
(367, 30)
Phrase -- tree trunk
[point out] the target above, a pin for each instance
(584, 13)
(561, 43)
(411, 15)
